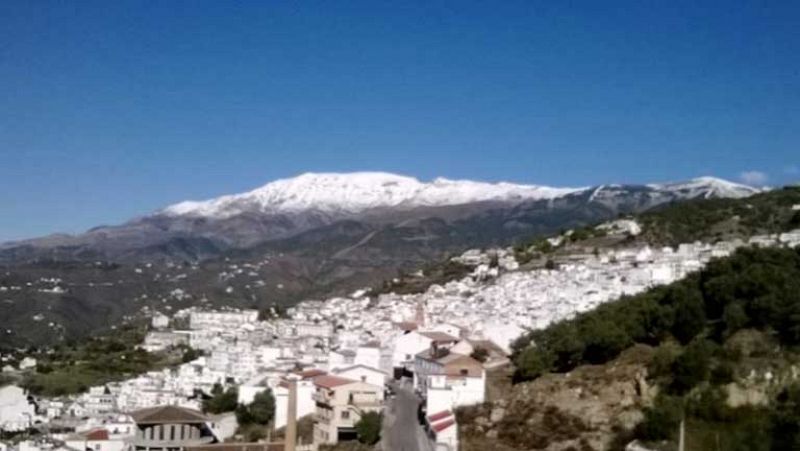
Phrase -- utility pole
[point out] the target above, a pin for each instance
(291, 417)
(681, 436)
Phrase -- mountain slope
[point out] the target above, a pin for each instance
(269, 253)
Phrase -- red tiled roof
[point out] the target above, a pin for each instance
(168, 414)
(438, 336)
(439, 416)
(439, 427)
(97, 434)
(328, 381)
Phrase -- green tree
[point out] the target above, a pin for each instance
(604, 339)
(260, 411)
(690, 317)
(221, 400)
(734, 317)
(532, 362)
(368, 428)
(691, 367)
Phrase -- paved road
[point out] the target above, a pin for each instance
(401, 430)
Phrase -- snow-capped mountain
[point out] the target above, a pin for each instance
(461, 212)
(301, 238)
(707, 187)
(356, 192)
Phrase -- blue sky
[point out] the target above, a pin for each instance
(113, 109)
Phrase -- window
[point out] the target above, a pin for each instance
(161, 432)
(464, 371)
(363, 378)
(172, 433)
(345, 415)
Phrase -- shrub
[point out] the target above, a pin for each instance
(691, 367)
(661, 421)
(368, 428)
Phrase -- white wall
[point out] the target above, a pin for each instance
(305, 405)
(98, 445)
(409, 344)
(16, 413)
(447, 395)
(368, 356)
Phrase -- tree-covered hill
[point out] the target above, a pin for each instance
(721, 219)
(737, 317)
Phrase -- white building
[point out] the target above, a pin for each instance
(17, 413)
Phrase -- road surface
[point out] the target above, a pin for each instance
(401, 430)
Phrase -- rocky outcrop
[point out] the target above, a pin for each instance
(586, 409)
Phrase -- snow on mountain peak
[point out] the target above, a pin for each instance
(707, 187)
(352, 193)
(355, 192)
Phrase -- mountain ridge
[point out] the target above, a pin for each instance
(285, 207)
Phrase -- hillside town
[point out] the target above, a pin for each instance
(335, 360)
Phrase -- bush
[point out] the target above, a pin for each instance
(661, 421)
(691, 367)
(532, 363)
(368, 428)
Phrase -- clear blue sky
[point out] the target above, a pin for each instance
(111, 109)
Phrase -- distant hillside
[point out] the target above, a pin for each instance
(311, 237)
(722, 219)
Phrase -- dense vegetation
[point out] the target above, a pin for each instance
(696, 324)
(716, 219)
(754, 288)
(74, 367)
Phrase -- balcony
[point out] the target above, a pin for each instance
(365, 401)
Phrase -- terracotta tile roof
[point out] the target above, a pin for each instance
(328, 381)
(168, 414)
(439, 416)
(97, 434)
(439, 427)
(439, 337)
